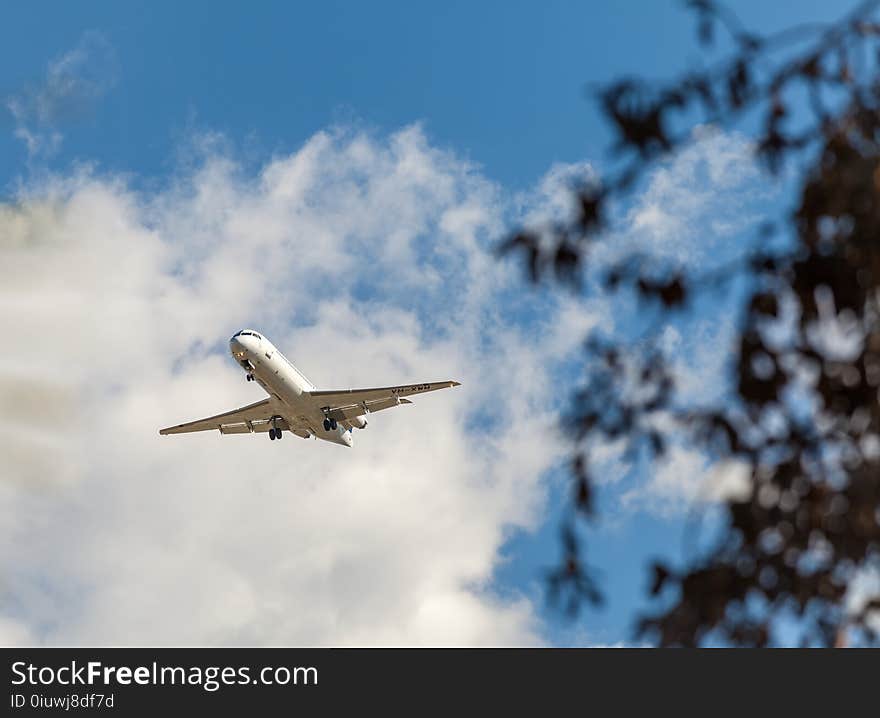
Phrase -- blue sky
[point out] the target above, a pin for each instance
(502, 83)
(498, 89)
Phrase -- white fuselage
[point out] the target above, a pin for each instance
(288, 389)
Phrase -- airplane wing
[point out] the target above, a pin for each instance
(253, 417)
(348, 403)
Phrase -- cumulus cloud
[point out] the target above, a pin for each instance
(864, 587)
(696, 212)
(367, 261)
(699, 200)
(555, 199)
(700, 351)
(685, 478)
(73, 83)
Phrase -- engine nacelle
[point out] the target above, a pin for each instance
(359, 421)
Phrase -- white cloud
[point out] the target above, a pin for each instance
(864, 587)
(73, 83)
(701, 197)
(685, 478)
(365, 259)
(695, 212)
(554, 199)
(699, 352)
(702, 352)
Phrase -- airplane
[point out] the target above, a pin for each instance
(294, 403)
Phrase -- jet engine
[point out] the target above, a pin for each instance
(359, 421)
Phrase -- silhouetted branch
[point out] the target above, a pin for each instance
(810, 521)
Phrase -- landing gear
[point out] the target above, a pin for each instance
(275, 430)
(249, 377)
(330, 425)
(326, 424)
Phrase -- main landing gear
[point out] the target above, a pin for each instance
(249, 377)
(330, 425)
(274, 431)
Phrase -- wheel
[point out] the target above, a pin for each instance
(326, 424)
(333, 424)
(272, 434)
(250, 377)
(278, 434)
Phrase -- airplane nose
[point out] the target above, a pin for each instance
(236, 347)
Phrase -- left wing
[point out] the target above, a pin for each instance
(348, 403)
(253, 417)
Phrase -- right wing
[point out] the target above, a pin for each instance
(253, 417)
(345, 404)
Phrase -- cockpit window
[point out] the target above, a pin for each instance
(246, 333)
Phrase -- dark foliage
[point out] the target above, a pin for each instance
(811, 519)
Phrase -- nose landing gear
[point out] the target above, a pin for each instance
(249, 377)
